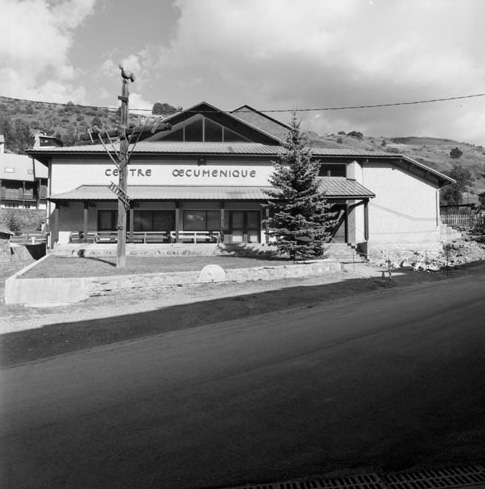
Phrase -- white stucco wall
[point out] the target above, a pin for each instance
(70, 174)
(405, 209)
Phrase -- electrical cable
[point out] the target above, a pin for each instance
(320, 109)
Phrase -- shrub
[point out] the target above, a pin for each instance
(355, 134)
(456, 153)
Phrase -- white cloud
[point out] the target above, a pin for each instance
(315, 53)
(138, 102)
(35, 38)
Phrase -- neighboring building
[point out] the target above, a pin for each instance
(209, 172)
(23, 181)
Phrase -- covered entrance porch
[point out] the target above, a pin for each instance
(171, 214)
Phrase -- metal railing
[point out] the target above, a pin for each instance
(462, 221)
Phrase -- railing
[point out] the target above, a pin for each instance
(462, 221)
(196, 236)
(148, 237)
(29, 238)
(145, 237)
(112, 237)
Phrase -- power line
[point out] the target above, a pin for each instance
(395, 104)
(320, 109)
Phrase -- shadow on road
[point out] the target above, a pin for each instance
(56, 339)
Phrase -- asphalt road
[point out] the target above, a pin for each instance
(384, 382)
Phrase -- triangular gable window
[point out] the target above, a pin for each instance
(202, 129)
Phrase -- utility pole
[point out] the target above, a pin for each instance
(124, 160)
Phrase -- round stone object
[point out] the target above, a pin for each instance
(212, 273)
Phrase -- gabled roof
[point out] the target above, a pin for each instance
(262, 121)
(236, 124)
(16, 167)
(264, 133)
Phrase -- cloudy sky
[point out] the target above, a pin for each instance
(270, 54)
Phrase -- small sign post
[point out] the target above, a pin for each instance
(120, 194)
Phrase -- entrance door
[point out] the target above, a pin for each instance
(244, 227)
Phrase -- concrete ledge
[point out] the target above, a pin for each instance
(54, 291)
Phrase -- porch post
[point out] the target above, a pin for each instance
(222, 221)
(55, 226)
(266, 224)
(177, 221)
(346, 222)
(366, 219)
(132, 219)
(86, 221)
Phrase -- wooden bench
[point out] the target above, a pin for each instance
(196, 236)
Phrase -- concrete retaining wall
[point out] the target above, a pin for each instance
(53, 291)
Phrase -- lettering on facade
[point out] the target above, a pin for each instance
(204, 173)
(132, 172)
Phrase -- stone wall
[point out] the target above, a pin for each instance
(44, 291)
(422, 257)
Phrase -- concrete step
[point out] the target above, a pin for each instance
(345, 253)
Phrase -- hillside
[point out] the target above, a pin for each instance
(70, 122)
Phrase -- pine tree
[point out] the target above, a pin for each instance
(301, 219)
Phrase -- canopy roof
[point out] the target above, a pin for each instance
(334, 187)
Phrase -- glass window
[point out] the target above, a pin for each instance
(143, 221)
(333, 170)
(202, 220)
(163, 220)
(213, 132)
(175, 136)
(193, 132)
(107, 220)
(195, 220)
(204, 129)
(232, 137)
(253, 220)
(213, 220)
(154, 220)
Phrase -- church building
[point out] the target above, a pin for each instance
(204, 180)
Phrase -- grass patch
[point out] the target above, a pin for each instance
(77, 267)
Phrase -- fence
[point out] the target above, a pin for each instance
(31, 238)
(463, 221)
